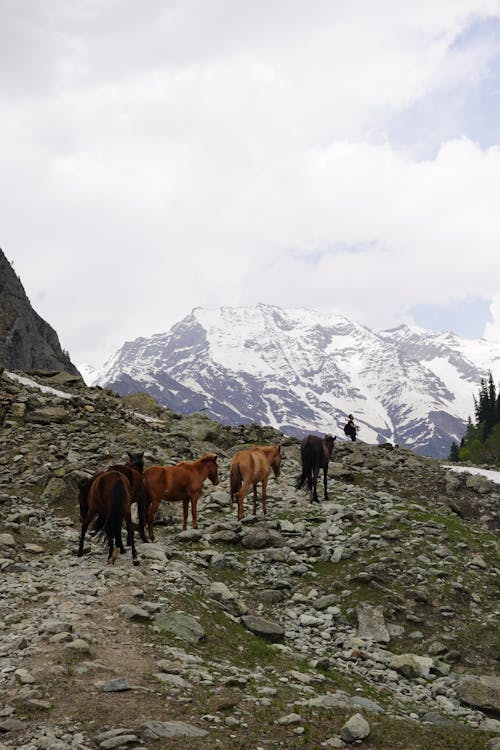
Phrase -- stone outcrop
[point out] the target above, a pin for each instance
(27, 342)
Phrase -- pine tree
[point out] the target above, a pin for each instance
(481, 442)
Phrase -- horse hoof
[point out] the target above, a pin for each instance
(135, 561)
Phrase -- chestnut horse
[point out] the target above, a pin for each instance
(109, 497)
(249, 467)
(315, 453)
(183, 482)
(133, 471)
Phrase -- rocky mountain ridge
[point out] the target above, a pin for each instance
(371, 618)
(27, 342)
(302, 371)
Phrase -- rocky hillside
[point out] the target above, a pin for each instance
(304, 371)
(27, 342)
(369, 619)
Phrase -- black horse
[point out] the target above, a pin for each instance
(315, 453)
(133, 472)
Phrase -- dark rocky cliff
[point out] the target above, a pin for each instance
(27, 342)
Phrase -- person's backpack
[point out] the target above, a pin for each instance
(347, 429)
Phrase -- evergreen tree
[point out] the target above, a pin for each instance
(481, 442)
(454, 453)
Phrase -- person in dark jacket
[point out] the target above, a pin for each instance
(351, 428)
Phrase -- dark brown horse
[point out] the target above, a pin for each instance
(183, 482)
(133, 471)
(109, 497)
(315, 453)
(249, 467)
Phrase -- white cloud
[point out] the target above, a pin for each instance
(162, 156)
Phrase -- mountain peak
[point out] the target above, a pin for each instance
(302, 371)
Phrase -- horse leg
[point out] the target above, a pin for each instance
(140, 518)
(130, 535)
(85, 526)
(241, 495)
(264, 496)
(255, 498)
(153, 509)
(194, 508)
(185, 508)
(315, 485)
(113, 549)
(325, 482)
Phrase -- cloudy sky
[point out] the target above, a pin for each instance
(340, 155)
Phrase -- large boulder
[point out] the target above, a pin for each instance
(482, 692)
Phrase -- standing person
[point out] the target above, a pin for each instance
(351, 428)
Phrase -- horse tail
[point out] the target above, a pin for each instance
(235, 479)
(303, 478)
(116, 509)
(99, 524)
(307, 467)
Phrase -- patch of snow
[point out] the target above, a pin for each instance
(491, 474)
(33, 384)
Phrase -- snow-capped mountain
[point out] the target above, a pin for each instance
(303, 371)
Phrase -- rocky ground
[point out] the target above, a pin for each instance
(370, 619)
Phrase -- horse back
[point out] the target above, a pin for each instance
(171, 481)
(311, 450)
(102, 489)
(253, 464)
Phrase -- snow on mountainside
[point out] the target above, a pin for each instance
(304, 371)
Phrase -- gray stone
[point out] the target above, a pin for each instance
(371, 623)
(412, 665)
(134, 613)
(7, 540)
(48, 415)
(55, 491)
(481, 692)
(328, 600)
(356, 728)
(259, 537)
(271, 631)
(166, 729)
(290, 719)
(181, 625)
(118, 685)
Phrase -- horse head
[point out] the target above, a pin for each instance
(136, 460)
(83, 496)
(276, 462)
(213, 469)
(328, 443)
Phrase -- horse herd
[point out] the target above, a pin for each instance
(108, 496)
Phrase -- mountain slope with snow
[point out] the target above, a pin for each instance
(304, 371)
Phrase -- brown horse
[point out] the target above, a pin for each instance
(315, 453)
(109, 497)
(133, 471)
(181, 482)
(249, 467)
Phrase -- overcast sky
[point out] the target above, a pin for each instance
(340, 155)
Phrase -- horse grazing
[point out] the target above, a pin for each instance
(109, 497)
(315, 453)
(249, 467)
(133, 471)
(183, 482)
